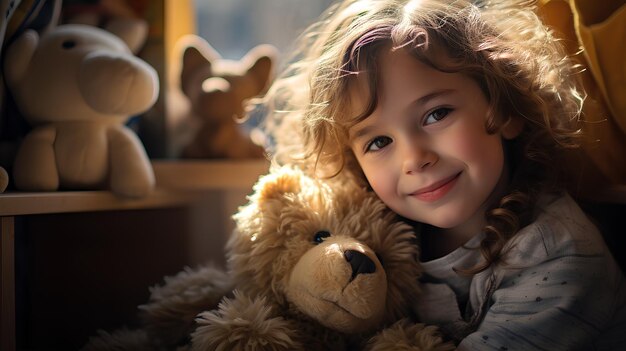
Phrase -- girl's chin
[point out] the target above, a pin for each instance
(447, 219)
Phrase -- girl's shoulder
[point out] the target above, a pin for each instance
(560, 229)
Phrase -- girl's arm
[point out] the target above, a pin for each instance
(565, 303)
(569, 295)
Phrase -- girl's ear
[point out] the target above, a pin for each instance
(512, 128)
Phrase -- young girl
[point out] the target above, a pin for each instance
(455, 113)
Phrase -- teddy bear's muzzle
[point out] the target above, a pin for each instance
(341, 284)
(136, 83)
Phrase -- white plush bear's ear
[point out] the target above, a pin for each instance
(18, 56)
(133, 32)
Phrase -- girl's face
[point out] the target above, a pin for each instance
(425, 150)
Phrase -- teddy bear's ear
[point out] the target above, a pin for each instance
(18, 56)
(260, 61)
(133, 32)
(278, 183)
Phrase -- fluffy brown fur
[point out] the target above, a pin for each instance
(316, 265)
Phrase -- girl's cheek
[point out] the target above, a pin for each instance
(476, 145)
(378, 181)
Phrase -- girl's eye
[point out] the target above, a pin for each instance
(320, 236)
(437, 115)
(377, 144)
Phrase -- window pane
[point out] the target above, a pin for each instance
(233, 27)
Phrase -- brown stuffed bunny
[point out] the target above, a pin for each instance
(217, 90)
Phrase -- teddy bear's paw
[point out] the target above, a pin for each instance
(242, 323)
(35, 166)
(131, 174)
(173, 306)
(405, 335)
(132, 188)
(120, 340)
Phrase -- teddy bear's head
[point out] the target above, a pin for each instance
(76, 73)
(218, 88)
(332, 251)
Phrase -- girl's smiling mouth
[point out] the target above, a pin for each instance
(436, 190)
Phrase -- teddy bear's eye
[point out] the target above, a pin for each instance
(320, 236)
(68, 44)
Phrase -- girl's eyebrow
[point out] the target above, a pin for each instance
(423, 100)
(437, 93)
(361, 132)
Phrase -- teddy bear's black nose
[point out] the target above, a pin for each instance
(360, 263)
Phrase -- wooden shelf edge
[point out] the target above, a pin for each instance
(179, 183)
(23, 203)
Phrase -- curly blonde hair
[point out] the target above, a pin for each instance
(502, 45)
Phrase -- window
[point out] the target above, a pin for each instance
(235, 26)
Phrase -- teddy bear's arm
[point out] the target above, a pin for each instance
(131, 172)
(35, 165)
(406, 335)
(170, 314)
(243, 323)
(18, 57)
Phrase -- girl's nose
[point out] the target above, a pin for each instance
(418, 159)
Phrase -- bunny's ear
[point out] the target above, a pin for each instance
(196, 52)
(260, 61)
(196, 55)
(19, 55)
(193, 58)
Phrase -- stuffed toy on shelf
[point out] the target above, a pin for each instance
(217, 90)
(77, 85)
(4, 179)
(313, 265)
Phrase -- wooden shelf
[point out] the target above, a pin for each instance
(178, 183)
(197, 197)
(15, 204)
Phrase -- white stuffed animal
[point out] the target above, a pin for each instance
(77, 85)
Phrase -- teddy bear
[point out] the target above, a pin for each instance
(77, 85)
(312, 265)
(217, 90)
